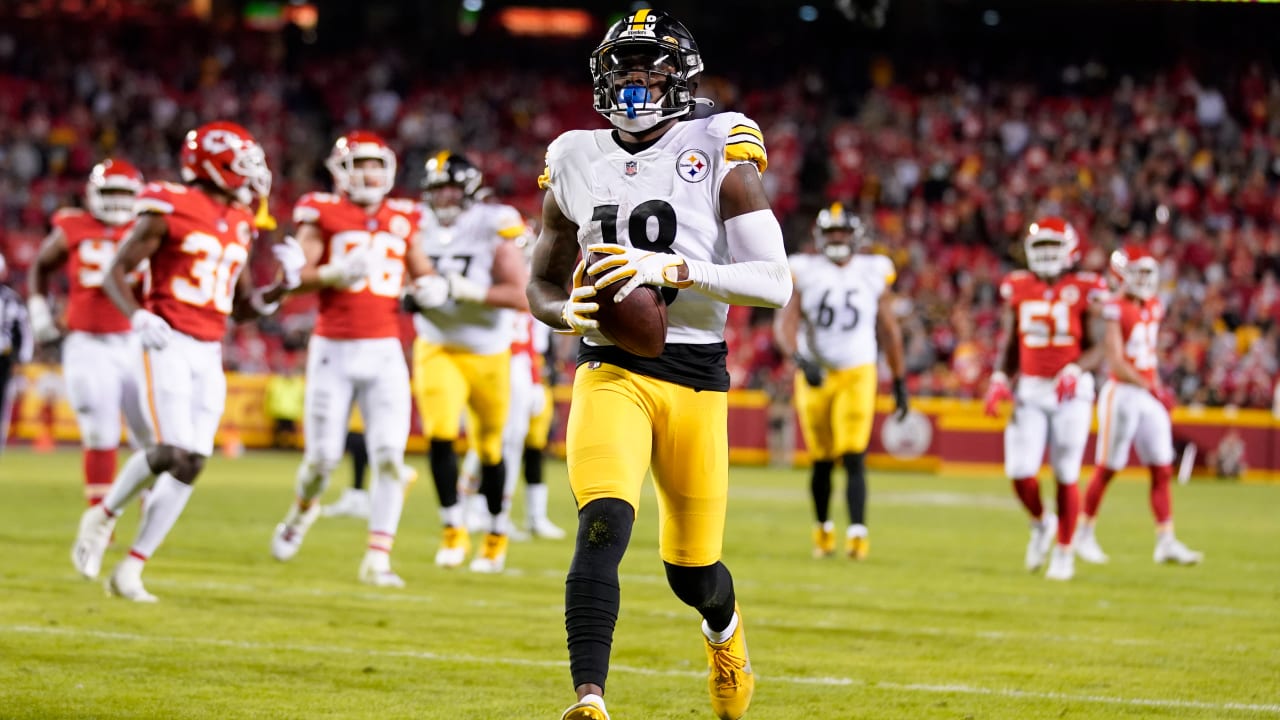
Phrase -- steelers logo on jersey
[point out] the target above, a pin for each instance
(693, 165)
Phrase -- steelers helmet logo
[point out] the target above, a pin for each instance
(693, 166)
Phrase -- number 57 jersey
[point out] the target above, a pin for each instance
(664, 198)
(838, 305)
(1051, 318)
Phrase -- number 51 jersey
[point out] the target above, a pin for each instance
(1051, 317)
(665, 198)
(838, 304)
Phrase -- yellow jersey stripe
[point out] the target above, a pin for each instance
(544, 180)
(742, 137)
(746, 151)
(512, 232)
(748, 129)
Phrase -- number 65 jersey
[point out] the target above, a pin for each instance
(1051, 317)
(838, 305)
(665, 198)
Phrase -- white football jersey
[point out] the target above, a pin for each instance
(468, 247)
(838, 306)
(663, 198)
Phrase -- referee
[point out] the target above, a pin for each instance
(16, 347)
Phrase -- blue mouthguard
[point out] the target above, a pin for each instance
(633, 95)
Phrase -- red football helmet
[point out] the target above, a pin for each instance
(228, 156)
(1052, 246)
(1137, 270)
(113, 185)
(364, 185)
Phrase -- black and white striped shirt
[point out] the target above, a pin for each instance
(16, 339)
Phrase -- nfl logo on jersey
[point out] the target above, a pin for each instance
(631, 168)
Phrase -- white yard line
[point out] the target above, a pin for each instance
(560, 664)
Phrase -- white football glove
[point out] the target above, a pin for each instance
(464, 290)
(152, 329)
(644, 267)
(430, 291)
(347, 270)
(291, 258)
(41, 316)
(577, 310)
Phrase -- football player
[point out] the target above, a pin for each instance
(841, 307)
(678, 204)
(197, 237)
(462, 355)
(359, 246)
(1133, 407)
(99, 355)
(1049, 338)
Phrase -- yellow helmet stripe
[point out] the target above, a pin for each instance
(637, 20)
(441, 157)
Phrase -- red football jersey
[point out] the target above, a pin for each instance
(194, 272)
(370, 307)
(91, 244)
(1140, 327)
(1050, 317)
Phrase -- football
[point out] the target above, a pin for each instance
(638, 324)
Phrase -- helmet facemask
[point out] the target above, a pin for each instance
(641, 81)
(365, 176)
(1047, 256)
(1142, 278)
(450, 186)
(110, 196)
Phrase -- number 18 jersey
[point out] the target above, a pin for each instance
(838, 305)
(1051, 317)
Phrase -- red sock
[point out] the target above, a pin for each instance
(1161, 498)
(99, 471)
(1097, 486)
(1028, 491)
(1068, 510)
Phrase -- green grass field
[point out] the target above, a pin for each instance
(939, 622)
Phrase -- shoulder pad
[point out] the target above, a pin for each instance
(508, 223)
(743, 139)
(403, 206)
(67, 215)
(308, 207)
(158, 197)
(556, 151)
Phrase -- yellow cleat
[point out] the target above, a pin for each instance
(455, 545)
(493, 555)
(858, 547)
(731, 681)
(824, 542)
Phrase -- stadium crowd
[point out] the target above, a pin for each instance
(949, 169)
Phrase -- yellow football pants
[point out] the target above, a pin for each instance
(836, 417)
(445, 382)
(622, 424)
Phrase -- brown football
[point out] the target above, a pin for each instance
(638, 324)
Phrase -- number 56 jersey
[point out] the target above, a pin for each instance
(1051, 317)
(665, 198)
(838, 305)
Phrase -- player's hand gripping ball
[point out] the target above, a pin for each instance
(636, 324)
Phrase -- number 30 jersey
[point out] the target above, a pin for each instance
(368, 308)
(665, 198)
(1051, 317)
(195, 269)
(467, 248)
(838, 305)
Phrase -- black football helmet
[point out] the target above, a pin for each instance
(839, 233)
(450, 184)
(647, 41)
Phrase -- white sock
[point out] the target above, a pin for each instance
(501, 523)
(386, 502)
(856, 530)
(535, 502)
(593, 699)
(722, 636)
(452, 515)
(164, 505)
(132, 479)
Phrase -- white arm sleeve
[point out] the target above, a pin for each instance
(758, 275)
